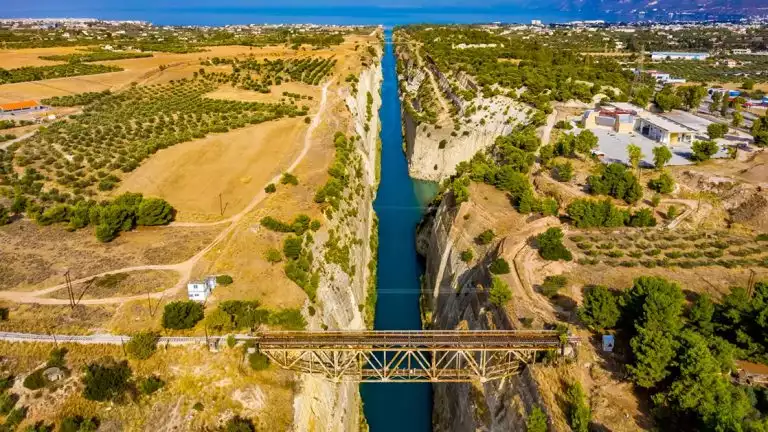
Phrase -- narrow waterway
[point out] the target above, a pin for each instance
(397, 407)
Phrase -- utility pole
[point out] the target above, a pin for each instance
(70, 293)
(221, 206)
(751, 283)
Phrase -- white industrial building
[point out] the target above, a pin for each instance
(670, 55)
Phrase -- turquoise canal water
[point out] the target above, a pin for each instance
(397, 407)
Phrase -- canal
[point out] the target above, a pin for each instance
(399, 205)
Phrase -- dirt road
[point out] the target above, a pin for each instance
(184, 269)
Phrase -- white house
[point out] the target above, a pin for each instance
(200, 290)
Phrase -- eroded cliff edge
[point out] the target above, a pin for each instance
(446, 117)
(454, 297)
(343, 296)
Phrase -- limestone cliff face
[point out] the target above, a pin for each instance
(462, 128)
(453, 300)
(321, 405)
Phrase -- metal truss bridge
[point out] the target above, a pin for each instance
(408, 356)
(384, 356)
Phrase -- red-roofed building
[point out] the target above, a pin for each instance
(20, 106)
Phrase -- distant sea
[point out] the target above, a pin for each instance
(218, 16)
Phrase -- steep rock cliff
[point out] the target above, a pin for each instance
(321, 405)
(455, 129)
(454, 298)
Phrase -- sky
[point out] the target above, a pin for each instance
(218, 12)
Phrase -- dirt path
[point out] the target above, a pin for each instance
(7, 144)
(184, 269)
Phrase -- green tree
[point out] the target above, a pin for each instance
(182, 314)
(663, 184)
(499, 266)
(106, 381)
(467, 255)
(292, 247)
(270, 188)
(142, 345)
(617, 181)
(258, 361)
(585, 142)
(748, 84)
(661, 156)
(154, 211)
(564, 171)
(600, 309)
(691, 96)
(703, 150)
(717, 98)
(716, 130)
(667, 100)
(485, 237)
(579, 414)
(224, 279)
(273, 256)
(551, 245)
(499, 293)
(635, 154)
(701, 313)
(738, 119)
(536, 421)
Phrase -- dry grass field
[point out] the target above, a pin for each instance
(236, 164)
(221, 381)
(33, 257)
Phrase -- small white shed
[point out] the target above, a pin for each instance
(200, 290)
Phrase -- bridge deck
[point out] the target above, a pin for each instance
(383, 340)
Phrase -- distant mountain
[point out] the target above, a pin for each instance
(664, 8)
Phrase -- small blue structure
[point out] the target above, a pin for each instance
(608, 343)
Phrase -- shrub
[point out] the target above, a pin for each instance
(239, 424)
(672, 212)
(499, 266)
(552, 285)
(499, 294)
(551, 246)
(142, 345)
(579, 414)
(151, 384)
(617, 181)
(198, 406)
(289, 178)
(292, 247)
(35, 380)
(600, 309)
(258, 361)
(642, 218)
(7, 402)
(154, 211)
(536, 421)
(79, 424)
(224, 279)
(703, 150)
(4, 313)
(467, 255)
(315, 225)
(716, 130)
(231, 341)
(107, 381)
(664, 184)
(182, 314)
(273, 256)
(271, 188)
(485, 237)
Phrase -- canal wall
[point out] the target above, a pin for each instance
(462, 127)
(454, 297)
(321, 405)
